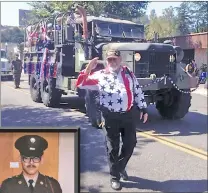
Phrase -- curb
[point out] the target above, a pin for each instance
(201, 91)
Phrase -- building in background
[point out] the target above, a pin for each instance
(24, 16)
(194, 46)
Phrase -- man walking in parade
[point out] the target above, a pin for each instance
(31, 148)
(120, 96)
(17, 70)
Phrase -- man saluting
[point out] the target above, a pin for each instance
(31, 149)
(119, 94)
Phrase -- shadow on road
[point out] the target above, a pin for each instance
(93, 152)
(12, 115)
(91, 189)
(93, 156)
(73, 102)
(167, 186)
(193, 123)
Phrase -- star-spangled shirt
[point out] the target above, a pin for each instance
(116, 89)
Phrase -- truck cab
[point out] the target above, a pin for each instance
(6, 67)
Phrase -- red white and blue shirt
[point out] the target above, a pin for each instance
(116, 89)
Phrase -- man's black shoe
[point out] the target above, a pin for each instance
(116, 185)
(124, 175)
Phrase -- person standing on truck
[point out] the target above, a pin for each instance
(191, 68)
(120, 96)
(17, 70)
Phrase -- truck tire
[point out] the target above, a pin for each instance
(175, 105)
(29, 79)
(50, 95)
(92, 110)
(35, 89)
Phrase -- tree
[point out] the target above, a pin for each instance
(184, 21)
(20, 48)
(199, 10)
(124, 10)
(168, 22)
(12, 34)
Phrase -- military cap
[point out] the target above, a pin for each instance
(113, 53)
(31, 145)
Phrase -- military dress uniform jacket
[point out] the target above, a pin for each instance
(17, 184)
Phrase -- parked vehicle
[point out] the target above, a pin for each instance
(6, 67)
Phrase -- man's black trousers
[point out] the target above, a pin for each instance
(118, 125)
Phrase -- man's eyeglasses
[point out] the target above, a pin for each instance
(28, 159)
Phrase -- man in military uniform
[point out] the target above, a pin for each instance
(31, 148)
(17, 70)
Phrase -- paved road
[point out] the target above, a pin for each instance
(170, 155)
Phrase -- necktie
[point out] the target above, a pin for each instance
(31, 185)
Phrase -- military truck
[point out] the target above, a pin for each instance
(53, 71)
(6, 67)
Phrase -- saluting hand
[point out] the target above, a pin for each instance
(145, 116)
(92, 64)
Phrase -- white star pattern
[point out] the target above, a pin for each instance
(113, 93)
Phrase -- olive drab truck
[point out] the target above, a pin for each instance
(6, 66)
(53, 70)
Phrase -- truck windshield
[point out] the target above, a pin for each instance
(134, 31)
(3, 54)
(117, 30)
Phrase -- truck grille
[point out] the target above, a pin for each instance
(157, 63)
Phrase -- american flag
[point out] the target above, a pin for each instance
(43, 30)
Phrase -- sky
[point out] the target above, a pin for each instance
(10, 10)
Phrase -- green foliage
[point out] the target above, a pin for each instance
(127, 10)
(20, 47)
(164, 25)
(10, 56)
(184, 18)
(12, 34)
(203, 68)
(199, 10)
(189, 17)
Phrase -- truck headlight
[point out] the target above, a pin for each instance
(172, 58)
(137, 57)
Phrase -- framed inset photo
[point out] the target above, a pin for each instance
(42, 160)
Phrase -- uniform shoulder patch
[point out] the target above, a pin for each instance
(10, 179)
(52, 179)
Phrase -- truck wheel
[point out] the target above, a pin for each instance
(29, 76)
(50, 95)
(91, 108)
(35, 89)
(175, 104)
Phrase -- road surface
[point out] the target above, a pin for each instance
(170, 156)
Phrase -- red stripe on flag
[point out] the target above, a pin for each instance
(84, 81)
(127, 86)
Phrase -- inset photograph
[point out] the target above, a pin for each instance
(39, 162)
